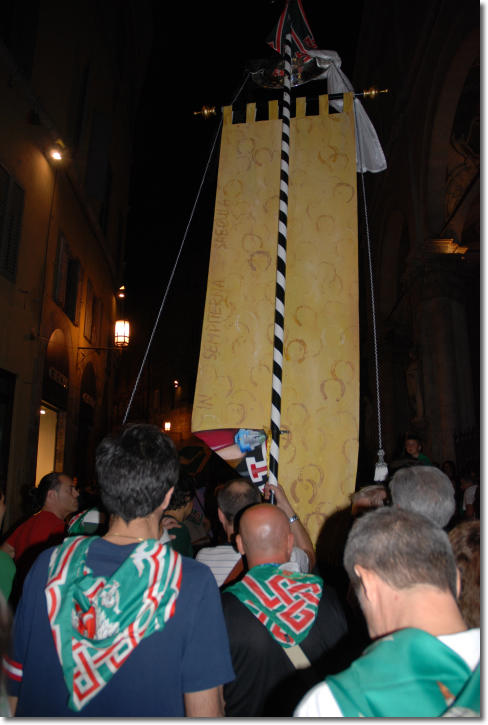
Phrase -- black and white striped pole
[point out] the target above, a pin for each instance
(280, 275)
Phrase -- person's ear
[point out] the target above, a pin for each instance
(222, 518)
(458, 583)
(52, 494)
(368, 581)
(167, 498)
(239, 545)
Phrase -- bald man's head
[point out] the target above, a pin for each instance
(265, 535)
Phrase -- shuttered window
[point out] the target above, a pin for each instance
(101, 324)
(78, 294)
(68, 281)
(61, 272)
(88, 311)
(97, 321)
(11, 210)
(93, 317)
(73, 290)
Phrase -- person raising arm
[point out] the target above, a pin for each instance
(301, 538)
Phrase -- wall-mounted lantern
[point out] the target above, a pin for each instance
(121, 333)
(176, 383)
(56, 150)
(167, 426)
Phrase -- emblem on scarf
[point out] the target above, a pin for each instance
(285, 602)
(98, 621)
(76, 523)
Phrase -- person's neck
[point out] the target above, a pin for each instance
(258, 560)
(135, 530)
(426, 608)
(178, 514)
(53, 510)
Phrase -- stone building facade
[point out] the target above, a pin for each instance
(71, 74)
(424, 217)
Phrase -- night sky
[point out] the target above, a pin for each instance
(198, 57)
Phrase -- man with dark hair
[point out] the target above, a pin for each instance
(51, 502)
(425, 490)
(121, 626)
(232, 497)
(283, 625)
(179, 508)
(225, 560)
(424, 662)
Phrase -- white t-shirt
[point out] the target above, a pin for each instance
(469, 495)
(165, 537)
(222, 559)
(320, 702)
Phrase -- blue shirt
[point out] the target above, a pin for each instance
(189, 655)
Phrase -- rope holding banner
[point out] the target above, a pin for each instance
(381, 467)
(280, 275)
(178, 256)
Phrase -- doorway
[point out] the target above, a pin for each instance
(46, 446)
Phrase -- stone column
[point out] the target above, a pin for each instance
(436, 287)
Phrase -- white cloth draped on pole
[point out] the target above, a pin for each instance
(372, 153)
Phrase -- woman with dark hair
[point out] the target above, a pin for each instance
(51, 502)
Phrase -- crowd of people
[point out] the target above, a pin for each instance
(142, 605)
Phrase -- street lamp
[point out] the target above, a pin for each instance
(56, 150)
(121, 333)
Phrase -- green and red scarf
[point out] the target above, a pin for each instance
(409, 673)
(286, 602)
(86, 522)
(98, 621)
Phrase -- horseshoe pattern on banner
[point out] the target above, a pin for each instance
(320, 394)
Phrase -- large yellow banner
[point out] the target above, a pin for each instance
(320, 396)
